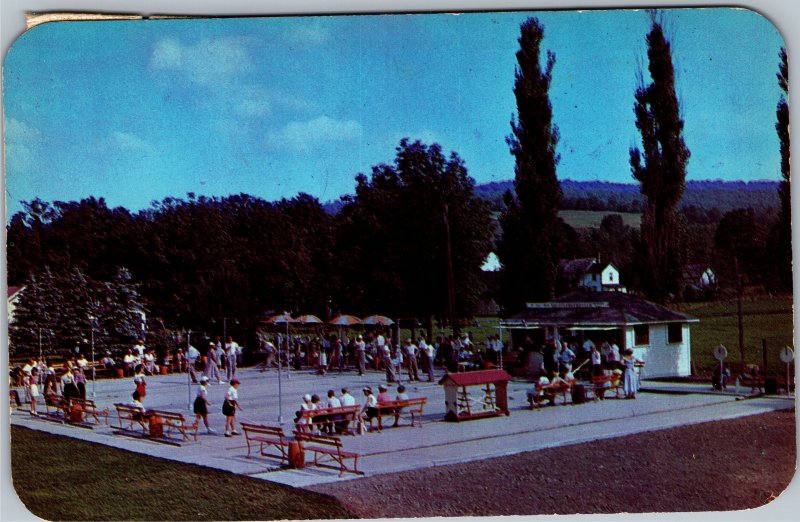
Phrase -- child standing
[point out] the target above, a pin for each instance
(201, 403)
(229, 407)
(33, 389)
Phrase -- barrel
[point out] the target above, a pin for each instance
(297, 455)
(578, 394)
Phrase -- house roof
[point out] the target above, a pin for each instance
(697, 270)
(473, 378)
(14, 290)
(593, 309)
(574, 268)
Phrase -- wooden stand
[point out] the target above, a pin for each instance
(460, 405)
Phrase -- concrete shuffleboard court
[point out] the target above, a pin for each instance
(437, 442)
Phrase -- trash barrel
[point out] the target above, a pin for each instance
(771, 386)
(578, 394)
(156, 427)
(297, 455)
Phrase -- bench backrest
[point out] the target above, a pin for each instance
(86, 404)
(168, 415)
(312, 438)
(127, 410)
(259, 429)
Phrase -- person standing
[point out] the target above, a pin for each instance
(192, 354)
(231, 362)
(212, 364)
(427, 351)
(361, 356)
(411, 363)
(229, 407)
(386, 356)
(630, 383)
(33, 390)
(139, 381)
(201, 403)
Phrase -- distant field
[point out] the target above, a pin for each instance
(592, 218)
(769, 319)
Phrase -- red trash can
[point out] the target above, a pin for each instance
(297, 455)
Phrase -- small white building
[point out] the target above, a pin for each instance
(590, 274)
(658, 336)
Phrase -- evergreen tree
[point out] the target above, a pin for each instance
(36, 315)
(784, 228)
(529, 246)
(82, 315)
(122, 318)
(660, 168)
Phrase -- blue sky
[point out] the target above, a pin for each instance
(135, 111)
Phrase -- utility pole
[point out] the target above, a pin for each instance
(451, 293)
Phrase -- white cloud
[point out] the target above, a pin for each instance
(20, 132)
(129, 142)
(251, 101)
(306, 136)
(314, 33)
(21, 142)
(208, 62)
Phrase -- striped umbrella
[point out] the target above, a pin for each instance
(377, 320)
(308, 319)
(345, 320)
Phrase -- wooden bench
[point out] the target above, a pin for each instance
(553, 390)
(267, 436)
(343, 419)
(330, 447)
(85, 407)
(58, 404)
(131, 414)
(171, 420)
(606, 383)
(395, 409)
(747, 381)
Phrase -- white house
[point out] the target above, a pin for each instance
(700, 277)
(658, 336)
(589, 273)
(13, 296)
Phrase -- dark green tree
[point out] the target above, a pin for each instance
(529, 246)
(122, 319)
(83, 311)
(783, 248)
(660, 168)
(392, 237)
(37, 314)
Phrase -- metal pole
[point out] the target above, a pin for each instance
(280, 371)
(40, 344)
(94, 372)
(188, 373)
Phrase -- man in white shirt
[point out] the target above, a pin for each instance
(427, 351)
(231, 352)
(361, 358)
(139, 349)
(411, 361)
(192, 354)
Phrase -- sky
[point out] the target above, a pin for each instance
(136, 111)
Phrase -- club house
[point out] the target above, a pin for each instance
(658, 336)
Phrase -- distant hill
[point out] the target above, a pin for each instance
(625, 197)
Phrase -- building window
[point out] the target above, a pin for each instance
(675, 333)
(641, 334)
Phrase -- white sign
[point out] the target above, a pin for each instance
(787, 355)
(720, 353)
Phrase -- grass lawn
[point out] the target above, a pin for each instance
(764, 318)
(59, 478)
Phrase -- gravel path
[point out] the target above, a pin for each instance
(725, 465)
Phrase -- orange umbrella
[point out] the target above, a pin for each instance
(345, 320)
(308, 319)
(377, 320)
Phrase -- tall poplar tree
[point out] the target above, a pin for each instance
(784, 232)
(660, 168)
(528, 248)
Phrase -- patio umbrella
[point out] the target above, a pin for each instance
(377, 320)
(308, 319)
(345, 320)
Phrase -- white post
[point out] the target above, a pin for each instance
(94, 372)
(188, 373)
